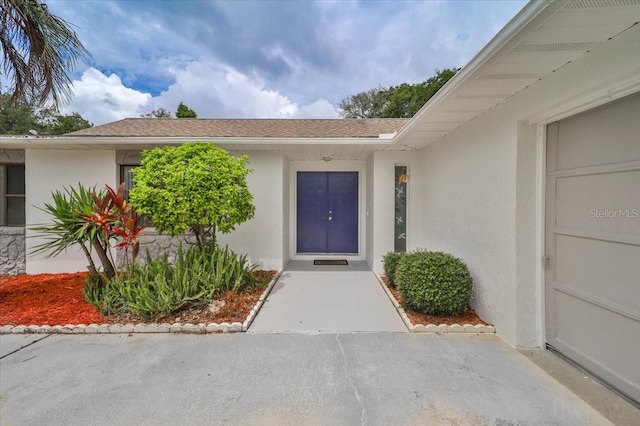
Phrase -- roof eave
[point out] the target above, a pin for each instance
(119, 142)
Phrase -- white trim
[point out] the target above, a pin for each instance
(541, 167)
(607, 92)
(62, 142)
(333, 166)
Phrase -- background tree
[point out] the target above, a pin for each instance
(401, 101)
(17, 118)
(405, 100)
(62, 124)
(369, 104)
(20, 117)
(38, 51)
(194, 187)
(157, 113)
(184, 111)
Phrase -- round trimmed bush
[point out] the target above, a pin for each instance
(434, 283)
(390, 263)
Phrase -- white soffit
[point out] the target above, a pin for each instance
(542, 38)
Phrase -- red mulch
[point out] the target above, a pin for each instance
(46, 299)
(467, 317)
(57, 299)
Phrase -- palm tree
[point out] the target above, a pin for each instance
(38, 51)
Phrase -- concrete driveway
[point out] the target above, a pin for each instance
(280, 379)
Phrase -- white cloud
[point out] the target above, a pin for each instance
(321, 108)
(216, 90)
(285, 54)
(212, 90)
(253, 59)
(100, 98)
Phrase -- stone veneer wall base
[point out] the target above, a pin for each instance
(12, 250)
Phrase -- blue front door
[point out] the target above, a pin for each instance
(327, 212)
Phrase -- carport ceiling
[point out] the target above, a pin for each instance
(542, 38)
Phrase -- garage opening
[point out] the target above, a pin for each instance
(592, 274)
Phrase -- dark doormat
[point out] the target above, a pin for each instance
(328, 262)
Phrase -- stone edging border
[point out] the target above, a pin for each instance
(254, 311)
(225, 327)
(433, 328)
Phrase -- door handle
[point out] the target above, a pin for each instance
(329, 217)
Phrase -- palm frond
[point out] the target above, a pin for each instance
(67, 226)
(38, 51)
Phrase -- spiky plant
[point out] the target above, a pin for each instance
(69, 225)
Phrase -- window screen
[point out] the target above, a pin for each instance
(12, 195)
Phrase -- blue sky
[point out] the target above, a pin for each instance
(264, 59)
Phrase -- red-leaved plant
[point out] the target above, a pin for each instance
(116, 219)
(92, 219)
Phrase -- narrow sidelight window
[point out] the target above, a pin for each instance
(400, 203)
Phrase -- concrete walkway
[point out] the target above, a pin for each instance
(284, 379)
(321, 299)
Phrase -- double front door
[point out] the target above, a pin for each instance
(327, 212)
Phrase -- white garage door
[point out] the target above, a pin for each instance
(593, 241)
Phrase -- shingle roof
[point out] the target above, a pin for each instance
(267, 128)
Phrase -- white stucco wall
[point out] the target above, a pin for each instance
(49, 170)
(469, 210)
(261, 237)
(382, 189)
(370, 211)
(481, 185)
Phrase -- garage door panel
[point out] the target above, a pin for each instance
(608, 271)
(586, 138)
(607, 202)
(592, 278)
(602, 337)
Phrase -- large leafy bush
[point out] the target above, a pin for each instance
(435, 283)
(193, 187)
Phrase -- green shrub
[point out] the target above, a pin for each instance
(435, 283)
(390, 263)
(195, 187)
(160, 288)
